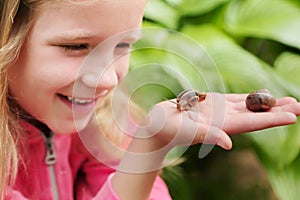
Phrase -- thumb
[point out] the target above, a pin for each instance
(213, 136)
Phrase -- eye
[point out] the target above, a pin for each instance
(122, 49)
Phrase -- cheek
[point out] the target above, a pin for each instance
(20, 78)
(57, 73)
(60, 71)
(42, 69)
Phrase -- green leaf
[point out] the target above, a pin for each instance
(278, 20)
(195, 69)
(179, 186)
(149, 24)
(278, 146)
(286, 181)
(183, 58)
(150, 78)
(195, 7)
(295, 2)
(162, 13)
(240, 70)
(149, 84)
(288, 66)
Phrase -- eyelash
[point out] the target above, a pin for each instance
(123, 45)
(74, 47)
(84, 46)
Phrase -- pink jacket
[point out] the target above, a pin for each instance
(71, 172)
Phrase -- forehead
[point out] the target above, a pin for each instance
(104, 17)
(84, 2)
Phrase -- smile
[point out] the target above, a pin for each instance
(79, 101)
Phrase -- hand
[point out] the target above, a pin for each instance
(212, 120)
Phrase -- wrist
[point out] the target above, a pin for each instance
(144, 154)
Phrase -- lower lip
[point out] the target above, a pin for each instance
(79, 109)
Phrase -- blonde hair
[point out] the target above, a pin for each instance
(15, 23)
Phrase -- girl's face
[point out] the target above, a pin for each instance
(50, 64)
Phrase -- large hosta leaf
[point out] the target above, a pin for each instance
(286, 180)
(295, 2)
(278, 20)
(150, 83)
(278, 147)
(150, 79)
(194, 66)
(195, 7)
(241, 71)
(162, 13)
(181, 57)
(288, 66)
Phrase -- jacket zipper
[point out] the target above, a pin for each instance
(50, 160)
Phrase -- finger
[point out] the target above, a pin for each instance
(291, 107)
(283, 103)
(285, 100)
(236, 97)
(192, 132)
(247, 122)
(212, 135)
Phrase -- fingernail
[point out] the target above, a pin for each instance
(292, 116)
(227, 145)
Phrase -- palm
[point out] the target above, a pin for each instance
(211, 120)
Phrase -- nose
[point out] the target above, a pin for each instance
(105, 80)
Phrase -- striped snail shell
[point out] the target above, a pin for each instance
(188, 99)
(260, 100)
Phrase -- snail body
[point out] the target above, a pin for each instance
(188, 99)
(260, 100)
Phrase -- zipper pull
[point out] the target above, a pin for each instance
(50, 158)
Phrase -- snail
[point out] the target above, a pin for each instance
(188, 99)
(260, 100)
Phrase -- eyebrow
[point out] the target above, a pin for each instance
(74, 35)
(78, 35)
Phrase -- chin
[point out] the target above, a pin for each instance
(69, 127)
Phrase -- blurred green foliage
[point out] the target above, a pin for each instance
(232, 46)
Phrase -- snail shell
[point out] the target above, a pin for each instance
(260, 100)
(188, 99)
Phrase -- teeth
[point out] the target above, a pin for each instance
(79, 101)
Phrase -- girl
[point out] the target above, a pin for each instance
(43, 45)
